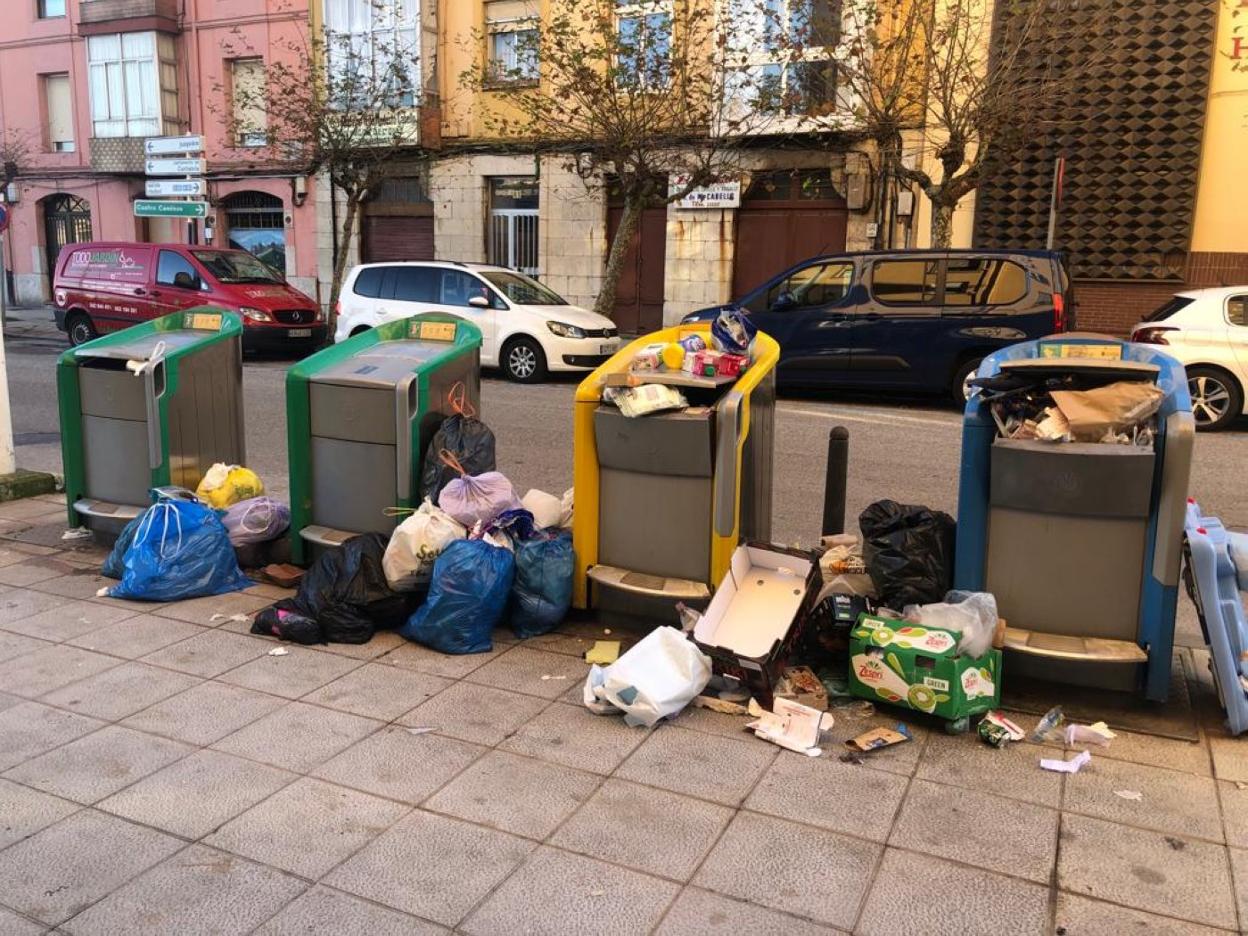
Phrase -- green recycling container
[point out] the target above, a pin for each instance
(152, 405)
(359, 416)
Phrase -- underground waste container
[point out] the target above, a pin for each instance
(1080, 542)
(152, 405)
(661, 501)
(359, 416)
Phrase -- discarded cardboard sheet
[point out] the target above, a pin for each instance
(1072, 766)
(800, 684)
(790, 725)
(877, 738)
(603, 652)
(720, 705)
(1109, 409)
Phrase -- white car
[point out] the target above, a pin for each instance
(526, 328)
(1206, 329)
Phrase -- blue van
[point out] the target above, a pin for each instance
(918, 320)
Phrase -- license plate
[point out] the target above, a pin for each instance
(300, 333)
(606, 349)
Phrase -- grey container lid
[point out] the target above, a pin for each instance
(140, 349)
(381, 365)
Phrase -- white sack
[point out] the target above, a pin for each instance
(657, 677)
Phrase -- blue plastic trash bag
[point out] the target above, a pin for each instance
(467, 597)
(542, 593)
(180, 550)
(114, 566)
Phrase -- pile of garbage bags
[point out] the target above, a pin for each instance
(188, 544)
(472, 556)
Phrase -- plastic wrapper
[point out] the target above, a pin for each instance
(467, 598)
(542, 592)
(511, 525)
(224, 485)
(469, 441)
(971, 615)
(908, 551)
(472, 499)
(180, 550)
(567, 502)
(547, 510)
(416, 543)
(733, 332)
(256, 520)
(657, 677)
(646, 399)
(345, 591)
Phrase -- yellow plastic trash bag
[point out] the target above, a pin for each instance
(225, 485)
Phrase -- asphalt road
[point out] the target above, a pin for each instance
(907, 450)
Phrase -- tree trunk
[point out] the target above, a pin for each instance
(340, 262)
(605, 305)
(942, 224)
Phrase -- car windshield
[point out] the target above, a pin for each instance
(235, 266)
(521, 289)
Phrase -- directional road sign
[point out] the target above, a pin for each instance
(146, 208)
(185, 187)
(183, 167)
(173, 146)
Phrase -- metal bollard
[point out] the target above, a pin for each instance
(834, 481)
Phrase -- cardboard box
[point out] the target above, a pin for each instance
(920, 668)
(757, 617)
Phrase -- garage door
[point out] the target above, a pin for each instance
(397, 238)
(785, 217)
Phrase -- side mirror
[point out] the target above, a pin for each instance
(185, 281)
(479, 302)
(783, 301)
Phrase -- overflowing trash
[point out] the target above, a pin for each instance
(256, 520)
(997, 730)
(791, 725)
(416, 543)
(470, 443)
(179, 549)
(467, 597)
(344, 595)
(542, 592)
(658, 676)
(908, 552)
(225, 485)
(472, 499)
(878, 738)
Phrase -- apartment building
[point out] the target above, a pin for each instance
(84, 82)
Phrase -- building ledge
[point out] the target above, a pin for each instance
(114, 16)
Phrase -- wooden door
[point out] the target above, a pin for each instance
(640, 293)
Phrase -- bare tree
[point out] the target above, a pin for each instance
(938, 77)
(347, 105)
(15, 149)
(633, 94)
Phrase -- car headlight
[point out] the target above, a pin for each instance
(565, 331)
(254, 315)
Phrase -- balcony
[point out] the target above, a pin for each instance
(113, 16)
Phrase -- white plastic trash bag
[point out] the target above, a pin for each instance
(545, 508)
(416, 543)
(565, 513)
(657, 677)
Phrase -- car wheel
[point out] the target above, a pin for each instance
(524, 361)
(960, 389)
(1216, 398)
(80, 330)
(359, 330)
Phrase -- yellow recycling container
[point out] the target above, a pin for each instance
(661, 501)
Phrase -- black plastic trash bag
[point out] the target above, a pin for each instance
(469, 441)
(908, 551)
(346, 593)
(284, 622)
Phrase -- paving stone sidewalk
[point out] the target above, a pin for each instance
(160, 772)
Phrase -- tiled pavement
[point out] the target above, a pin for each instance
(161, 773)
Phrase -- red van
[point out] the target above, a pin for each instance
(104, 287)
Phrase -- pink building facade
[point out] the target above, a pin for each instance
(84, 82)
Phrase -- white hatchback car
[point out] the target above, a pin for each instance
(1206, 329)
(526, 328)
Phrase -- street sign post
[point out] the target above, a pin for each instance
(188, 188)
(173, 146)
(148, 208)
(181, 166)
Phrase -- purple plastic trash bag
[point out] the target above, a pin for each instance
(256, 520)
